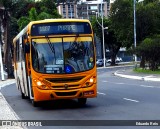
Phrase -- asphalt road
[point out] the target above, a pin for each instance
(118, 99)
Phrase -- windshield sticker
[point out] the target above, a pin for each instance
(91, 59)
(90, 65)
(68, 69)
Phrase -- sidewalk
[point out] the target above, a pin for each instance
(6, 82)
(6, 112)
(129, 73)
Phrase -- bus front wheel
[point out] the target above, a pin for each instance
(82, 101)
(34, 103)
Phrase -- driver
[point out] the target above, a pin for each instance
(77, 50)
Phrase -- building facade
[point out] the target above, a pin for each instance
(68, 10)
(87, 8)
(84, 9)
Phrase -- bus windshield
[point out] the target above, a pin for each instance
(62, 55)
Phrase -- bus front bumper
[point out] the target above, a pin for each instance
(43, 95)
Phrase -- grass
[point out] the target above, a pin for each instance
(147, 71)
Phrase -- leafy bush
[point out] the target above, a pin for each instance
(149, 49)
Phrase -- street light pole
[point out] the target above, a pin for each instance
(1, 61)
(104, 58)
(134, 4)
(1, 64)
(102, 26)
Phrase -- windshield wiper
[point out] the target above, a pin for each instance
(50, 45)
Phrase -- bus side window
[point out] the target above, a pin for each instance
(17, 50)
(27, 47)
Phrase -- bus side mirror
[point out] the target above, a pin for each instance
(27, 47)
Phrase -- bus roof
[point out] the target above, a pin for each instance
(46, 21)
(59, 20)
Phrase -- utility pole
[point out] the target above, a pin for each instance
(104, 52)
(1, 63)
(134, 4)
(103, 28)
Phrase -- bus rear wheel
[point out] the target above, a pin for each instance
(22, 94)
(82, 101)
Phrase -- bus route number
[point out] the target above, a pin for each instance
(44, 28)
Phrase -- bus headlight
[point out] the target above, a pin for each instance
(40, 84)
(89, 82)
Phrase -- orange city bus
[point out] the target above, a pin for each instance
(55, 59)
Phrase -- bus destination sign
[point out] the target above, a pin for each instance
(60, 28)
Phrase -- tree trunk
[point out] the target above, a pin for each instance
(142, 63)
(113, 57)
(114, 52)
(152, 66)
(7, 49)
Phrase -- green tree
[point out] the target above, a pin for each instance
(44, 9)
(5, 22)
(149, 1)
(121, 16)
(120, 27)
(148, 20)
(110, 39)
(149, 49)
(8, 19)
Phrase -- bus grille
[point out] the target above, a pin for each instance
(63, 87)
(65, 80)
(66, 93)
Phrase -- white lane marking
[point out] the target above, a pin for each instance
(104, 81)
(131, 100)
(149, 76)
(101, 93)
(120, 83)
(147, 86)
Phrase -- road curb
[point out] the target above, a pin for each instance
(136, 77)
(152, 79)
(118, 66)
(128, 76)
(7, 82)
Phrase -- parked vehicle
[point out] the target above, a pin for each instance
(118, 59)
(99, 62)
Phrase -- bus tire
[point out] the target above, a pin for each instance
(22, 94)
(34, 103)
(82, 101)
